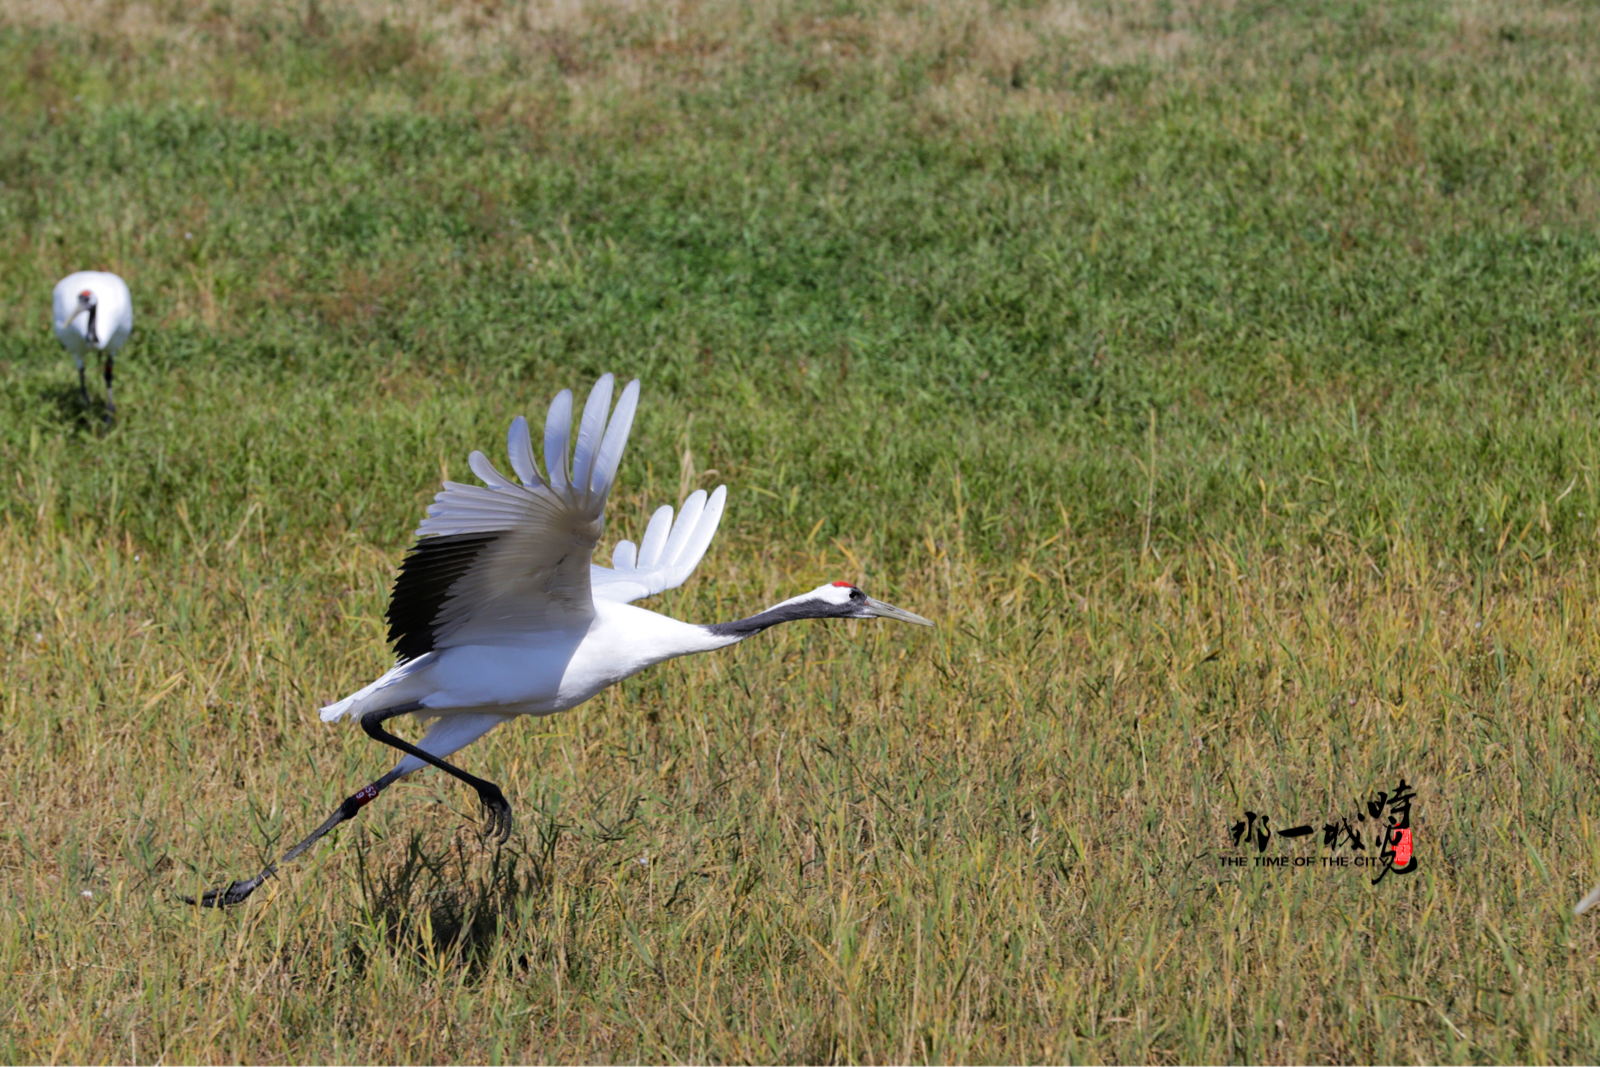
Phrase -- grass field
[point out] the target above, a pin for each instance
(1221, 377)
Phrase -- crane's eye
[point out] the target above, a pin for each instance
(856, 594)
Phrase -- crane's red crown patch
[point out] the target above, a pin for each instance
(844, 585)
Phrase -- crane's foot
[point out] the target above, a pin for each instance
(231, 894)
(496, 813)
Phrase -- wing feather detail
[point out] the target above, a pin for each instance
(519, 449)
(616, 438)
(557, 428)
(426, 575)
(623, 555)
(499, 561)
(590, 431)
(486, 471)
(683, 529)
(655, 537)
(669, 553)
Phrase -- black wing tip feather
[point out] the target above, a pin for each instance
(433, 565)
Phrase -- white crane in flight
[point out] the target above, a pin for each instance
(93, 311)
(498, 611)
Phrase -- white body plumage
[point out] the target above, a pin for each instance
(468, 690)
(113, 318)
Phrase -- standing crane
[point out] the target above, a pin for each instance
(93, 310)
(498, 612)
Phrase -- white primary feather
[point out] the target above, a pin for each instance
(622, 556)
(616, 438)
(683, 529)
(519, 449)
(655, 536)
(557, 428)
(590, 431)
(485, 470)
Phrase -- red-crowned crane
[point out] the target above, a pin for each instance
(93, 310)
(498, 612)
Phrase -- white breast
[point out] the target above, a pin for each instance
(537, 674)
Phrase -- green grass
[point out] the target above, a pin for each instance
(1221, 378)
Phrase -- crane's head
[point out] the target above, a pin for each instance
(87, 302)
(841, 600)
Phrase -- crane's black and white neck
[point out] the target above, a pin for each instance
(836, 600)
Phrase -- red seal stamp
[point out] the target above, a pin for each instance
(1402, 847)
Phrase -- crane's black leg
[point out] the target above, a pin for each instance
(494, 801)
(234, 892)
(83, 386)
(111, 405)
(497, 812)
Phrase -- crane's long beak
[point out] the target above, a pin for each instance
(889, 611)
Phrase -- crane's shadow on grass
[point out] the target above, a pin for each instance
(63, 405)
(451, 901)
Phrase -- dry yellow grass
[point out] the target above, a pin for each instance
(995, 842)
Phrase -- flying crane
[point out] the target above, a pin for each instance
(498, 612)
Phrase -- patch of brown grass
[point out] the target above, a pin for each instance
(365, 291)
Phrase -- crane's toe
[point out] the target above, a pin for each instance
(496, 814)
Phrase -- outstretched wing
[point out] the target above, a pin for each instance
(499, 561)
(668, 555)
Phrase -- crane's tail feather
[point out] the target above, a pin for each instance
(340, 708)
(387, 691)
